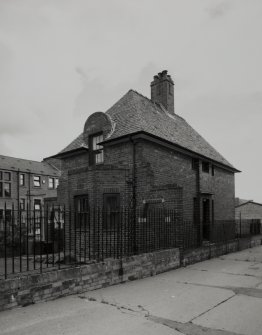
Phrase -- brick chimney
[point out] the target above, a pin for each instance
(162, 91)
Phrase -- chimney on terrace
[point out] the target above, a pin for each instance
(162, 91)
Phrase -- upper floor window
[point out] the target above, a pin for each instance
(56, 182)
(5, 184)
(7, 176)
(22, 204)
(194, 163)
(22, 179)
(96, 150)
(37, 181)
(7, 190)
(205, 167)
(52, 182)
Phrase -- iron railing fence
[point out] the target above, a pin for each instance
(54, 237)
(248, 227)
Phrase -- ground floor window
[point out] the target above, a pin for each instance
(111, 210)
(81, 204)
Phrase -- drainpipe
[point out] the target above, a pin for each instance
(29, 191)
(18, 190)
(134, 191)
(199, 223)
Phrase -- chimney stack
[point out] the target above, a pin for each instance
(162, 91)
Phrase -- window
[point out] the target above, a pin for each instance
(7, 176)
(37, 204)
(111, 217)
(194, 163)
(56, 182)
(205, 167)
(37, 181)
(37, 219)
(22, 179)
(22, 204)
(5, 184)
(51, 182)
(213, 170)
(96, 152)
(81, 210)
(7, 190)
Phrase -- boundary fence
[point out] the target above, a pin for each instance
(54, 237)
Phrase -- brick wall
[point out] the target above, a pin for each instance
(159, 174)
(249, 211)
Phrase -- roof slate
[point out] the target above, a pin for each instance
(24, 165)
(135, 112)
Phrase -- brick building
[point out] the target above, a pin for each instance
(141, 154)
(25, 184)
(249, 210)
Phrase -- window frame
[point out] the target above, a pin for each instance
(34, 181)
(52, 179)
(7, 173)
(98, 151)
(111, 217)
(81, 208)
(194, 163)
(4, 190)
(22, 179)
(213, 169)
(205, 166)
(22, 204)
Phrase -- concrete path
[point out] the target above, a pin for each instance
(221, 296)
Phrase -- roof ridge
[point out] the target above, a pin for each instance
(154, 103)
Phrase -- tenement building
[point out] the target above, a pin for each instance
(24, 185)
(141, 154)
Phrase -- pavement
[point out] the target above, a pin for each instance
(222, 296)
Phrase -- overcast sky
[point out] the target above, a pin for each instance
(61, 60)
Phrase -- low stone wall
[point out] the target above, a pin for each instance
(33, 288)
(216, 250)
(30, 289)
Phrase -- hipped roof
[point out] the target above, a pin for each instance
(136, 113)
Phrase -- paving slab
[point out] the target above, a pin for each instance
(164, 298)
(248, 255)
(227, 266)
(211, 278)
(72, 315)
(240, 314)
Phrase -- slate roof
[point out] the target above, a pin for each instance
(134, 112)
(248, 202)
(25, 165)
